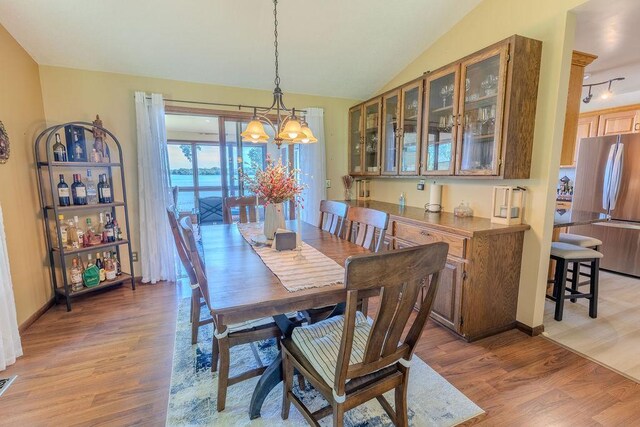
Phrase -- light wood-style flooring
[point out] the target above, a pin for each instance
(614, 337)
(109, 363)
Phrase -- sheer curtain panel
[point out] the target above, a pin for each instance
(313, 167)
(10, 347)
(157, 257)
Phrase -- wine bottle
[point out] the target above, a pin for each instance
(118, 230)
(109, 229)
(100, 265)
(79, 191)
(116, 263)
(79, 233)
(59, 151)
(104, 190)
(63, 192)
(92, 192)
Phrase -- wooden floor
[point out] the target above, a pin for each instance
(109, 363)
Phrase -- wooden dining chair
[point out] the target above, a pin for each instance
(232, 335)
(367, 227)
(197, 299)
(332, 216)
(247, 207)
(351, 360)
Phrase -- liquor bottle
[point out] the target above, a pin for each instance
(91, 237)
(79, 233)
(78, 152)
(109, 230)
(59, 151)
(92, 192)
(79, 191)
(118, 230)
(109, 267)
(63, 192)
(63, 233)
(116, 263)
(100, 265)
(91, 274)
(100, 230)
(75, 274)
(95, 156)
(72, 235)
(104, 190)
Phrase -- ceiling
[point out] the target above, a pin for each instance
(610, 29)
(339, 48)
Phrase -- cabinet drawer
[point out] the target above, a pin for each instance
(422, 236)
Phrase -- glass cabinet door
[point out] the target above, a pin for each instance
(440, 122)
(372, 138)
(482, 104)
(355, 140)
(390, 133)
(410, 128)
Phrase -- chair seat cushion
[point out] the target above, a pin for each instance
(320, 343)
(569, 251)
(238, 327)
(579, 240)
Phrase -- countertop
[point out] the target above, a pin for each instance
(444, 221)
(567, 218)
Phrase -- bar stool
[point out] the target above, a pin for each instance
(565, 254)
(584, 242)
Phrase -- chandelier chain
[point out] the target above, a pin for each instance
(275, 43)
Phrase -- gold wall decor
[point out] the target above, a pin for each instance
(5, 149)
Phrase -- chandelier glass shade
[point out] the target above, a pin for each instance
(286, 125)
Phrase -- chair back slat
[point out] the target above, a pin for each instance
(400, 277)
(332, 216)
(196, 261)
(246, 206)
(364, 225)
(180, 246)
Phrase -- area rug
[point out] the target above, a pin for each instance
(432, 400)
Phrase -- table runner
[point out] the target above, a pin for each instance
(314, 271)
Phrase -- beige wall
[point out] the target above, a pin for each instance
(492, 21)
(71, 94)
(22, 113)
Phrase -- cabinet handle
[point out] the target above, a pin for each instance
(424, 232)
(637, 126)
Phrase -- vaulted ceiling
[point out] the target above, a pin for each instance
(342, 48)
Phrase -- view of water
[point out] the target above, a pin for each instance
(204, 180)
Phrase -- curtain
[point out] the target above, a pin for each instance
(157, 251)
(313, 168)
(10, 347)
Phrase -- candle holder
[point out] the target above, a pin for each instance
(508, 205)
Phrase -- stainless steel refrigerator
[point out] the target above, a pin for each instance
(608, 181)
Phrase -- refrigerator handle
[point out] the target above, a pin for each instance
(616, 176)
(606, 180)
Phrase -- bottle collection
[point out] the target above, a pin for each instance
(105, 268)
(76, 149)
(81, 193)
(75, 236)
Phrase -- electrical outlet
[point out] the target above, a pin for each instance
(327, 183)
(421, 185)
(134, 256)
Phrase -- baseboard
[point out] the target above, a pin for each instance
(531, 331)
(35, 316)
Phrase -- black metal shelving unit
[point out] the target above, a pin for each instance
(47, 173)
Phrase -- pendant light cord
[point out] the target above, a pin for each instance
(275, 43)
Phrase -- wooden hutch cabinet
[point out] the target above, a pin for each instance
(364, 138)
(478, 117)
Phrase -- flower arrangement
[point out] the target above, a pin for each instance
(277, 183)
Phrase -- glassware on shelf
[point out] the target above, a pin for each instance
(463, 210)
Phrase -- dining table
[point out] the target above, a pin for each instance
(243, 288)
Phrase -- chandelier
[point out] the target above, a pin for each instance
(287, 127)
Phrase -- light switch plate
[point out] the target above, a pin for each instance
(327, 183)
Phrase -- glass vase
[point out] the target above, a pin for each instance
(273, 219)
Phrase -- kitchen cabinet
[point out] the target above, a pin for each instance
(619, 122)
(587, 128)
(470, 301)
(439, 124)
(401, 130)
(478, 119)
(364, 138)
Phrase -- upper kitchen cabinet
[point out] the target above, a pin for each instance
(617, 122)
(355, 140)
(364, 138)
(439, 124)
(401, 130)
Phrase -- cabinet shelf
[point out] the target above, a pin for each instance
(123, 278)
(483, 101)
(85, 207)
(78, 164)
(442, 109)
(74, 251)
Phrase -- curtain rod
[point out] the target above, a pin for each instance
(219, 104)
